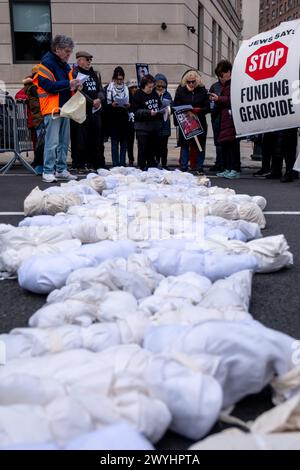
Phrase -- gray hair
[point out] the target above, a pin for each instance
(61, 42)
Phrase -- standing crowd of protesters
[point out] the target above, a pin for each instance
(124, 111)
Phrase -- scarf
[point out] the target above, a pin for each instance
(117, 91)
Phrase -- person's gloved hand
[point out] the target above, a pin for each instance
(197, 110)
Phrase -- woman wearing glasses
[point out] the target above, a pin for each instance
(192, 91)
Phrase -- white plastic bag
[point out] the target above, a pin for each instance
(74, 108)
(297, 163)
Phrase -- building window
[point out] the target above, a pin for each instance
(220, 34)
(31, 29)
(214, 47)
(231, 50)
(200, 36)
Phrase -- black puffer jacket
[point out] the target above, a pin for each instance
(142, 105)
(198, 99)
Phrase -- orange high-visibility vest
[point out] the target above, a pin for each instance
(48, 102)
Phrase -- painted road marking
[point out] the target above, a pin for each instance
(266, 213)
(281, 213)
(11, 213)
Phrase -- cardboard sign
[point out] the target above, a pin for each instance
(265, 81)
(188, 122)
(141, 71)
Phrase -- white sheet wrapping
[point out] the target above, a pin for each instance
(94, 397)
(44, 274)
(210, 265)
(85, 308)
(218, 257)
(135, 275)
(97, 183)
(123, 381)
(174, 379)
(11, 259)
(39, 202)
(282, 418)
(118, 436)
(204, 351)
(250, 354)
(27, 342)
(234, 439)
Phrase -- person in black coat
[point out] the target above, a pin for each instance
(133, 88)
(192, 91)
(161, 87)
(86, 138)
(117, 106)
(147, 122)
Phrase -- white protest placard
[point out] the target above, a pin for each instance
(265, 81)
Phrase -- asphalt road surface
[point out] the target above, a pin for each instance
(275, 297)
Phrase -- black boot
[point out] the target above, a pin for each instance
(261, 173)
(273, 176)
(287, 178)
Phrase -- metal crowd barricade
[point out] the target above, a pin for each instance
(15, 136)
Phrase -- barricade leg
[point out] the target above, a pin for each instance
(13, 160)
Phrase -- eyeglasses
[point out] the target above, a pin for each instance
(89, 59)
(160, 87)
(191, 82)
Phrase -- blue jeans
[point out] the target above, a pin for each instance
(56, 144)
(118, 156)
(185, 156)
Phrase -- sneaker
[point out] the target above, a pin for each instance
(232, 175)
(65, 175)
(223, 174)
(48, 178)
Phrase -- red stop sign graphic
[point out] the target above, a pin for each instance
(267, 61)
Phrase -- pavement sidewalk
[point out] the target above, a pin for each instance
(173, 157)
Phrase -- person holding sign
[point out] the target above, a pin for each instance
(227, 136)
(192, 94)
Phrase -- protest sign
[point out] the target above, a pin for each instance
(188, 121)
(141, 71)
(265, 81)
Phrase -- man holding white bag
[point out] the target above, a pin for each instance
(55, 85)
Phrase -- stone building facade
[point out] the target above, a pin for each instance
(274, 12)
(169, 35)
